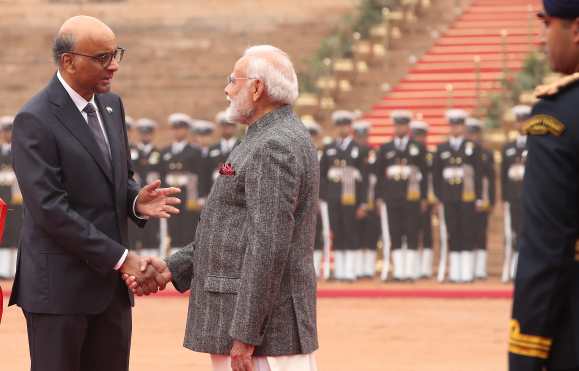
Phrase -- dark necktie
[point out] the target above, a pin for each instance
(95, 127)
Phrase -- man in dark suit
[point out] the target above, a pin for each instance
(72, 163)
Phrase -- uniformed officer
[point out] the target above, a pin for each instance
(544, 331)
(219, 152)
(402, 185)
(342, 186)
(10, 193)
(369, 225)
(314, 129)
(458, 185)
(148, 168)
(181, 164)
(419, 131)
(485, 205)
(514, 157)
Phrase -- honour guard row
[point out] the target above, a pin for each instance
(373, 200)
(388, 199)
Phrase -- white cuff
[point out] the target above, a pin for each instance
(122, 260)
(135, 210)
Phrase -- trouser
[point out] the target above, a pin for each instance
(345, 239)
(404, 225)
(298, 362)
(516, 214)
(460, 218)
(426, 257)
(369, 234)
(480, 243)
(82, 342)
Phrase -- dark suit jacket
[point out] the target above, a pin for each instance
(75, 212)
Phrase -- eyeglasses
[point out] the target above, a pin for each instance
(105, 59)
(232, 79)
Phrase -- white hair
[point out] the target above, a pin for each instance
(274, 67)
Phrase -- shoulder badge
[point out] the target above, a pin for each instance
(444, 155)
(331, 152)
(543, 125)
(554, 88)
(215, 153)
(510, 152)
(167, 156)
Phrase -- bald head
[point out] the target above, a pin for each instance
(78, 31)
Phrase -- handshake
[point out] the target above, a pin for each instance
(145, 275)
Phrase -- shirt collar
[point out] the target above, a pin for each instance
(77, 99)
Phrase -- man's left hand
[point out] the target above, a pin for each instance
(241, 356)
(157, 202)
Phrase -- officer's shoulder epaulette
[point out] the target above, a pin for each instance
(543, 125)
(554, 88)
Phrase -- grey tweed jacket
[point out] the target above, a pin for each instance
(250, 269)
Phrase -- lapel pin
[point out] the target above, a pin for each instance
(109, 109)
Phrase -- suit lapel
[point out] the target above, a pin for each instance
(70, 117)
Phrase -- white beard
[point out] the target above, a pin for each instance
(239, 109)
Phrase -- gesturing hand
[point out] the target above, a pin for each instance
(157, 202)
(158, 281)
(241, 354)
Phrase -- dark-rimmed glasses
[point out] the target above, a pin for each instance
(104, 59)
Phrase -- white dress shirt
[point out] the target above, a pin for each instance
(80, 104)
(177, 147)
(401, 143)
(521, 141)
(455, 143)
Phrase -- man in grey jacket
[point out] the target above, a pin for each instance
(250, 269)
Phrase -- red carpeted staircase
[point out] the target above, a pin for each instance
(498, 33)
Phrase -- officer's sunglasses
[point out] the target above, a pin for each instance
(104, 59)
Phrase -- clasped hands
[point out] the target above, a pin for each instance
(145, 275)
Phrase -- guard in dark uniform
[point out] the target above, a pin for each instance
(148, 168)
(514, 156)
(10, 193)
(342, 186)
(181, 166)
(369, 225)
(419, 130)
(402, 185)
(485, 205)
(219, 152)
(457, 182)
(314, 129)
(544, 330)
